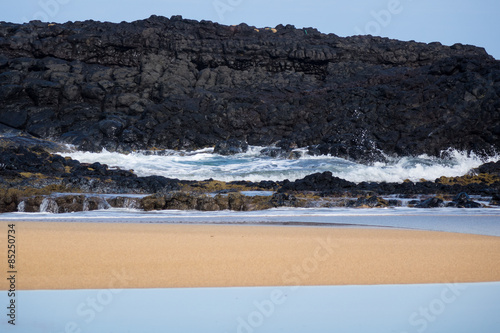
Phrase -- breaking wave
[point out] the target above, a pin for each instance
(253, 166)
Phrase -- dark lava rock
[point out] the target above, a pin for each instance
(370, 202)
(430, 203)
(9, 200)
(492, 168)
(69, 203)
(110, 128)
(181, 84)
(495, 200)
(12, 138)
(283, 200)
(324, 182)
(353, 146)
(462, 200)
(24, 167)
(231, 147)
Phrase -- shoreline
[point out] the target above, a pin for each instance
(75, 255)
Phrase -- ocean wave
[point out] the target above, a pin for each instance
(253, 166)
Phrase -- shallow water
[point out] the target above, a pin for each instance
(472, 221)
(464, 307)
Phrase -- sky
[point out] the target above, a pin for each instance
(446, 21)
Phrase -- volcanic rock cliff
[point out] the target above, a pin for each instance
(182, 84)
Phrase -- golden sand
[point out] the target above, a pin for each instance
(111, 255)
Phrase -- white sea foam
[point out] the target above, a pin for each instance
(204, 164)
(481, 221)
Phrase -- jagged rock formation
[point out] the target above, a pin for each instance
(181, 84)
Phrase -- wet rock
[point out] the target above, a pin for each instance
(37, 168)
(9, 201)
(180, 201)
(462, 200)
(394, 203)
(325, 182)
(276, 152)
(12, 138)
(357, 147)
(370, 202)
(495, 200)
(231, 147)
(123, 202)
(492, 168)
(222, 201)
(110, 128)
(206, 203)
(13, 118)
(283, 200)
(430, 203)
(153, 202)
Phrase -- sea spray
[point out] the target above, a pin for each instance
(49, 205)
(253, 166)
(21, 206)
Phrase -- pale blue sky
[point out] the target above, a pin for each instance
(447, 21)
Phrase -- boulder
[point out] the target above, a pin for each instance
(462, 200)
(231, 147)
(430, 203)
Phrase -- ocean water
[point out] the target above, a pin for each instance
(430, 308)
(253, 166)
(483, 221)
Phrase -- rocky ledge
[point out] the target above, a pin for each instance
(181, 84)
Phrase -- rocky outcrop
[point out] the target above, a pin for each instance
(230, 147)
(24, 168)
(328, 185)
(181, 84)
(491, 168)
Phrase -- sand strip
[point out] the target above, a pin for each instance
(111, 255)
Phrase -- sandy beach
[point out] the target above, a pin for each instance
(56, 255)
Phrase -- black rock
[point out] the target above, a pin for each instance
(495, 200)
(371, 202)
(283, 199)
(180, 84)
(492, 168)
(430, 203)
(110, 128)
(324, 182)
(462, 200)
(231, 147)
